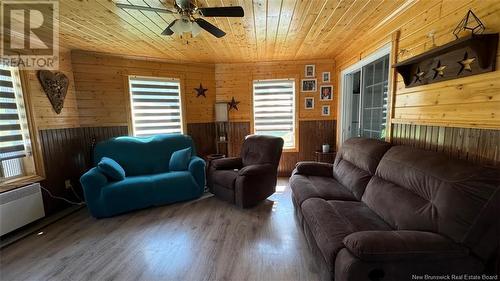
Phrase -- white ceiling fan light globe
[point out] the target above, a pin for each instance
(185, 24)
(196, 29)
(182, 25)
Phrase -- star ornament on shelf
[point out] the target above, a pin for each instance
(466, 63)
(233, 104)
(200, 91)
(419, 75)
(439, 70)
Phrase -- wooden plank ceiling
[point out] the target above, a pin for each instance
(271, 29)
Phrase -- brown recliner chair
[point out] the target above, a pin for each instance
(251, 178)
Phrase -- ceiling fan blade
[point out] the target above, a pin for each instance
(212, 29)
(167, 30)
(144, 8)
(234, 11)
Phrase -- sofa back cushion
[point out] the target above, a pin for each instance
(143, 155)
(415, 189)
(356, 162)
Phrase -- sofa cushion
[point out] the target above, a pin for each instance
(422, 190)
(111, 169)
(179, 160)
(357, 161)
(131, 193)
(171, 185)
(225, 178)
(331, 221)
(305, 187)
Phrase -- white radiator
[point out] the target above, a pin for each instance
(19, 207)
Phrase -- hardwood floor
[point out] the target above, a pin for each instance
(206, 239)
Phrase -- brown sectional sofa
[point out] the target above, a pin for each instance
(383, 212)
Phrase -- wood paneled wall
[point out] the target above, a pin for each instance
(43, 114)
(480, 146)
(67, 154)
(467, 102)
(102, 86)
(236, 80)
(203, 135)
(471, 102)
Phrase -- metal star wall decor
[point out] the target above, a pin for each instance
(200, 91)
(439, 70)
(466, 63)
(419, 75)
(233, 104)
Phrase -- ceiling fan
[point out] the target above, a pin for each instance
(188, 9)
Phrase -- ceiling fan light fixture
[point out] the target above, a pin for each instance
(196, 29)
(182, 25)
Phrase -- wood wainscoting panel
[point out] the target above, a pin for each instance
(67, 155)
(236, 135)
(203, 135)
(481, 146)
(313, 134)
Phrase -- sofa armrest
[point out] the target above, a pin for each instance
(197, 169)
(257, 169)
(227, 163)
(309, 168)
(402, 245)
(92, 182)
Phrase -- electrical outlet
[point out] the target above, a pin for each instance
(67, 184)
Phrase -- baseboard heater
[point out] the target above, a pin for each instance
(19, 207)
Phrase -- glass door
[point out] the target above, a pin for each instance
(365, 97)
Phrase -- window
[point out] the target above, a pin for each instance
(15, 147)
(156, 105)
(274, 109)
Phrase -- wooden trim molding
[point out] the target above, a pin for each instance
(33, 128)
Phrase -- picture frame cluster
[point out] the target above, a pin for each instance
(310, 85)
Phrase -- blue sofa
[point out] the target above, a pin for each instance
(148, 180)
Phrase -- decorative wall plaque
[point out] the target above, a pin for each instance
(55, 86)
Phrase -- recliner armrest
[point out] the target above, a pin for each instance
(227, 163)
(402, 245)
(310, 168)
(257, 169)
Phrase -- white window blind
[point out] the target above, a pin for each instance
(274, 109)
(156, 105)
(12, 144)
(14, 132)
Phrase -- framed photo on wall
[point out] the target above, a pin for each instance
(308, 85)
(310, 70)
(325, 110)
(326, 92)
(309, 103)
(325, 77)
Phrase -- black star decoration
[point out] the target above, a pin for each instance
(233, 104)
(200, 91)
(418, 75)
(465, 63)
(439, 70)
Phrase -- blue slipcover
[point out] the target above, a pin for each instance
(148, 180)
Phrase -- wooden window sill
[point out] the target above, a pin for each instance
(19, 182)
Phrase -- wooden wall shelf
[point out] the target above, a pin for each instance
(463, 57)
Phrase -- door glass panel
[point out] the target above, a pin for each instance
(374, 96)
